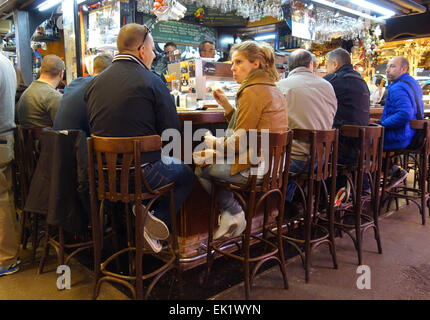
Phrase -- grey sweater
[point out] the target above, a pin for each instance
(312, 104)
(38, 105)
(7, 95)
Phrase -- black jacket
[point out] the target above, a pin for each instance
(59, 187)
(353, 104)
(129, 100)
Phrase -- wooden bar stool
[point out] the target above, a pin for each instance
(351, 218)
(26, 156)
(111, 166)
(251, 196)
(310, 184)
(418, 160)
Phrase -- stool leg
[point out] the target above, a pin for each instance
(61, 243)
(24, 231)
(139, 251)
(45, 251)
(34, 235)
(423, 179)
(210, 255)
(114, 238)
(246, 261)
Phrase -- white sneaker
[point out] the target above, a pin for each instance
(230, 225)
(241, 224)
(154, 226)
(151, 243)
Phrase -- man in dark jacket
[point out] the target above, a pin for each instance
(127, 100)
(353, 100)
(353, 104)
(404, 92)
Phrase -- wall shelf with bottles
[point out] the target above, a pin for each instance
(45, 39)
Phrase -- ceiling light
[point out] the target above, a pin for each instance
(48, 4)
(265, 37)
(373, 7)
(349, 10)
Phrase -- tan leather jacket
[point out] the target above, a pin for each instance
(259, 105)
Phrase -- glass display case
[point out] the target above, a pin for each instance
(192, 82)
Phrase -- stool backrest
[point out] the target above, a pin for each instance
(371, 141)
(278, 161)
(422, 125)
(26, 155)
(322, 151)
(115, 159)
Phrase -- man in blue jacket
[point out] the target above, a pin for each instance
(127, 100)
(400, 108)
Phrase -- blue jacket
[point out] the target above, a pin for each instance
(72, 112)
(399, 110)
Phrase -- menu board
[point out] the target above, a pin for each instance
(182, 33)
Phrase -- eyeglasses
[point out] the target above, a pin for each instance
(147, 30)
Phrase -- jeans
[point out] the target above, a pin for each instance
(225, 198)
(9, 245)
(165, 171)
(296, 166)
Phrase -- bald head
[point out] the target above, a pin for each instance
(300, 58)
(131, 37)
(52, 66)
(397, 67)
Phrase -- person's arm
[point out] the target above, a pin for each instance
(248, 117)
(403, 109)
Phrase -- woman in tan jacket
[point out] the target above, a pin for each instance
(259, 105)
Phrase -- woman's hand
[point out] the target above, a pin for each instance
(209, 140)
(222, 100)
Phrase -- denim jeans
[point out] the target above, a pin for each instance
(225, 198)
(296, 166)
(162, 172)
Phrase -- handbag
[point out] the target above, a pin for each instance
(418, 138)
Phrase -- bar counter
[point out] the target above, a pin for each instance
(376, 113)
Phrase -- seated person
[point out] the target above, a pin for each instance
(39, 102)
(260, 105)
(404, 92)
(312, 104)
(140, 106)
(72, 112)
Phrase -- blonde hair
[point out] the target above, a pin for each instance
(258, 51)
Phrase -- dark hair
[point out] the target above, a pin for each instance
(299, 58)
(340, 55)
(19, 78)
(202, 45)
(170, 44)
(379, 79)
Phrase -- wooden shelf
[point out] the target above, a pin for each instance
(45, 39)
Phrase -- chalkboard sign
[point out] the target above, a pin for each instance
(181, 33)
